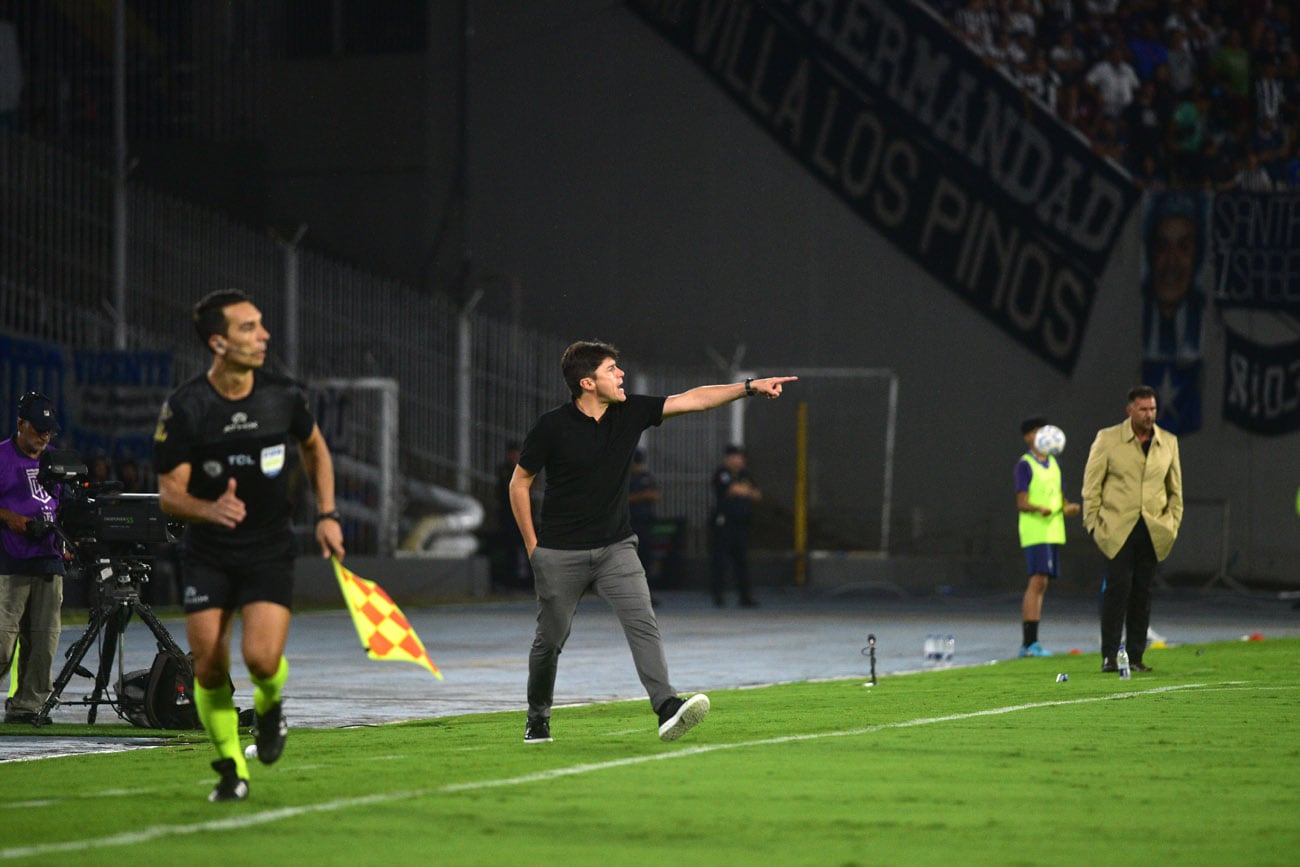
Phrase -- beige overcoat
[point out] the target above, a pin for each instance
(1121, 484)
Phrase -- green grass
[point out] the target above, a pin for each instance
(1197, 763)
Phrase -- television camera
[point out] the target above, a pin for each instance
(113, 538)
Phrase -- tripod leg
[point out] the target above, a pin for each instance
(165, 640)
(117, 625)
(75, 654)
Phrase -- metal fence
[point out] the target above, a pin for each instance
(470, 385)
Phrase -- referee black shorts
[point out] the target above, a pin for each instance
(232, 579)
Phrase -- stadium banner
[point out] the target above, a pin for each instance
(106, 399)
(1261, 385)
(1255, 239)
(942, 155)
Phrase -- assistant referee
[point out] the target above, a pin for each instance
(221, 450)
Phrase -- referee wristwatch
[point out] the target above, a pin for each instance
(329, 516)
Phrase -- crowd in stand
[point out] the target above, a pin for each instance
(1185, 94)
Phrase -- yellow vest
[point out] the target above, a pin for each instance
(1044, 490)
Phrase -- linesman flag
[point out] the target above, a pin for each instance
(384, 630)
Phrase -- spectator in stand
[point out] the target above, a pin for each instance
(1020, 20)
(1108, 141)
(976, 24)
(1145, 128)
(1252, 177)
(1041, 82)
(1189, 126)
(1114, 81)
(1182, 63)
(1268, 90)
(1148, 175)
(1220, 69)
(1147, 50)
(1230, 65)
(1070, 63)
(1272, 143)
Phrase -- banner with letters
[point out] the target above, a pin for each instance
(1261, 385)
(942, 155)
(107, 400)
(1256, 247)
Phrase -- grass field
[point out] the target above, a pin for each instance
(1196, 763)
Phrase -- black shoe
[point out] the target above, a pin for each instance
(231, 787)
(677, 717)
(22, 717)
(537, 731)
(1109, 666)
(1137, 666)
(269, 733)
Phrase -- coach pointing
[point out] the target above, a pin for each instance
(1132, 506)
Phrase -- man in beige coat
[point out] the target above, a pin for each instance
(1132, 506)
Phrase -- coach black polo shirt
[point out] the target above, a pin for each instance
(588, 464)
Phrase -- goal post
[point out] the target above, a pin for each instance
(359, 420)
(880, 442)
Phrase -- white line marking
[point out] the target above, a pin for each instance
(233, 823)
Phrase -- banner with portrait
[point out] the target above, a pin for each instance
(1175, 288)
(1261, 385)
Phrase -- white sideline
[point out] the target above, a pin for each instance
(236, 822)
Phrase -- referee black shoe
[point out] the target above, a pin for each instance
(269, 733)
(231, 787)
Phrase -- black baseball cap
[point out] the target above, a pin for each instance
(38, 411)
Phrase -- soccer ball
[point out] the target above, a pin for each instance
(1050, 440)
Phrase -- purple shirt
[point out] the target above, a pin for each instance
(1024, 473)
(20, 493)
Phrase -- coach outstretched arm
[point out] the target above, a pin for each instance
(705, 397)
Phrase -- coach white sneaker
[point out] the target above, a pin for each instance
(677, 717)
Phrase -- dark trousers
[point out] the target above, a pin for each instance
(561, 578)
(1126, 595)
(730, 549)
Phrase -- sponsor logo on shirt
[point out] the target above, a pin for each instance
(212, 468)
(238, 422)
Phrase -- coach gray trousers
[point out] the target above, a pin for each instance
(615, 573)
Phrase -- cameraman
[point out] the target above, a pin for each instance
(31, 566)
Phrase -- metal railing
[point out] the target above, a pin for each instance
(55, 279)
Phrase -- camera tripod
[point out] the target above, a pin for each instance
(118, 581)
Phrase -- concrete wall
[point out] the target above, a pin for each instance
(633, 201)
(636, 203)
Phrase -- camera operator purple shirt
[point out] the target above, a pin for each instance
(22, 494)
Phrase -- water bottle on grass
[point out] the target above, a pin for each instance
(1121, 662)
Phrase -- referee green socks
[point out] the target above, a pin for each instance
(266, 693)
(220, 720)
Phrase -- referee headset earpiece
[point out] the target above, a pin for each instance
(219, 344)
